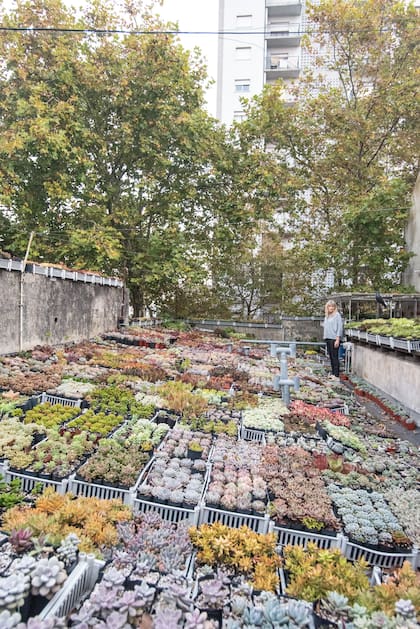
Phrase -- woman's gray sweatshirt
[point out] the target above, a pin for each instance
(333, 326)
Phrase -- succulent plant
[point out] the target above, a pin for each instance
(13, 590)
(296, 614)
(335, 606)
(67, 551)
(113, 577)
(195, 619)
(48, 623)
(178, 595)
(213, 594)
(24, 565)
(167, 618)
(405, 608)
(21, 540)
(9, 620)
(48, 577)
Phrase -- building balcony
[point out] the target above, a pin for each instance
(283, 8)
(277, 38)
(277, 68)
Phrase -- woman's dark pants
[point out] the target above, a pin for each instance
(333, 354)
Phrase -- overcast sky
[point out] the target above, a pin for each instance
(197, 15)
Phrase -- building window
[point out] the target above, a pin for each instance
(243, 21)
(238, 116)
(279, 28)
(243, 53)
(242, 85)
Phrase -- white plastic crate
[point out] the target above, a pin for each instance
(385, 340)
(54, 399)
(292, 537)
(383, 560)
(28, 482)
(168, 513)
(341, 410)
(79, 584)
(209, 515)
(107, 492)
(104, 492)
(251, 434)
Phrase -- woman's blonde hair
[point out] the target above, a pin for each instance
(330, 302)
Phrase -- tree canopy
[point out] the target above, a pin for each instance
(348, 142)
(108, 155)
(107, 152)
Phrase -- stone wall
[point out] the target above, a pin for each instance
(395, 374)
(54, 310)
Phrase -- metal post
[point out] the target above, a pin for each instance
(282, 380)
(22, 276)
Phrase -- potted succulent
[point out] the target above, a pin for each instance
(195, 450)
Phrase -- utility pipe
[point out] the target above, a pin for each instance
(22, 277)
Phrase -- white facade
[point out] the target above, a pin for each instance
(260, 43)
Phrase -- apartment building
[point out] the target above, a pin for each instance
(261, 42)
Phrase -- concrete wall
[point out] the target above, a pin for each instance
(412, 274)
(397, 375)
(298, 329)
(54, 310)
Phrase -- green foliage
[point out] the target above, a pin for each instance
(108, 154)
(10, 493)
(348, 152)
(315, 571)
(400, 328)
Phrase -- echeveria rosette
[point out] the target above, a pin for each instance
(48, 577)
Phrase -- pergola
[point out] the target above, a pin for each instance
(398, 305)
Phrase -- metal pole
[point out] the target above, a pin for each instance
(22, 276)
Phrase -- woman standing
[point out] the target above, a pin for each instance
(333, 330)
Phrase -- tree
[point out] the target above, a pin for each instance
(350, 150)
(108, 154)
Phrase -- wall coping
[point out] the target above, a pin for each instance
(58, 273)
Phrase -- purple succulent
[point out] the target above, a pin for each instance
(21, 540)
(167, 618)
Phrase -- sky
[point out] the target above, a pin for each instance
(191, 15)
(197, 15)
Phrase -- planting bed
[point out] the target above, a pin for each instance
(179, 430)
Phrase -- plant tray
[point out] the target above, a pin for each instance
(209, 515)
(251, 434)
(168, 513)
(54, 399)
(383, 560)
(104, 492)
(341, 410)
(79, 584)
(28, 481)
(301, 538)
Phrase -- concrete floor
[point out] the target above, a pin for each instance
(413, 436)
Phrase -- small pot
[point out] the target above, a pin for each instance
(214, 614)
(194, 454)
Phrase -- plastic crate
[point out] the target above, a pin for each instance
(293, 537)
(209, 515)
(79, 584)
(107, 492)
(341, 410)
(251, 434)
(168, 513)
(54, 399)
(383, 560)
(104, 492)
(28, 481)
